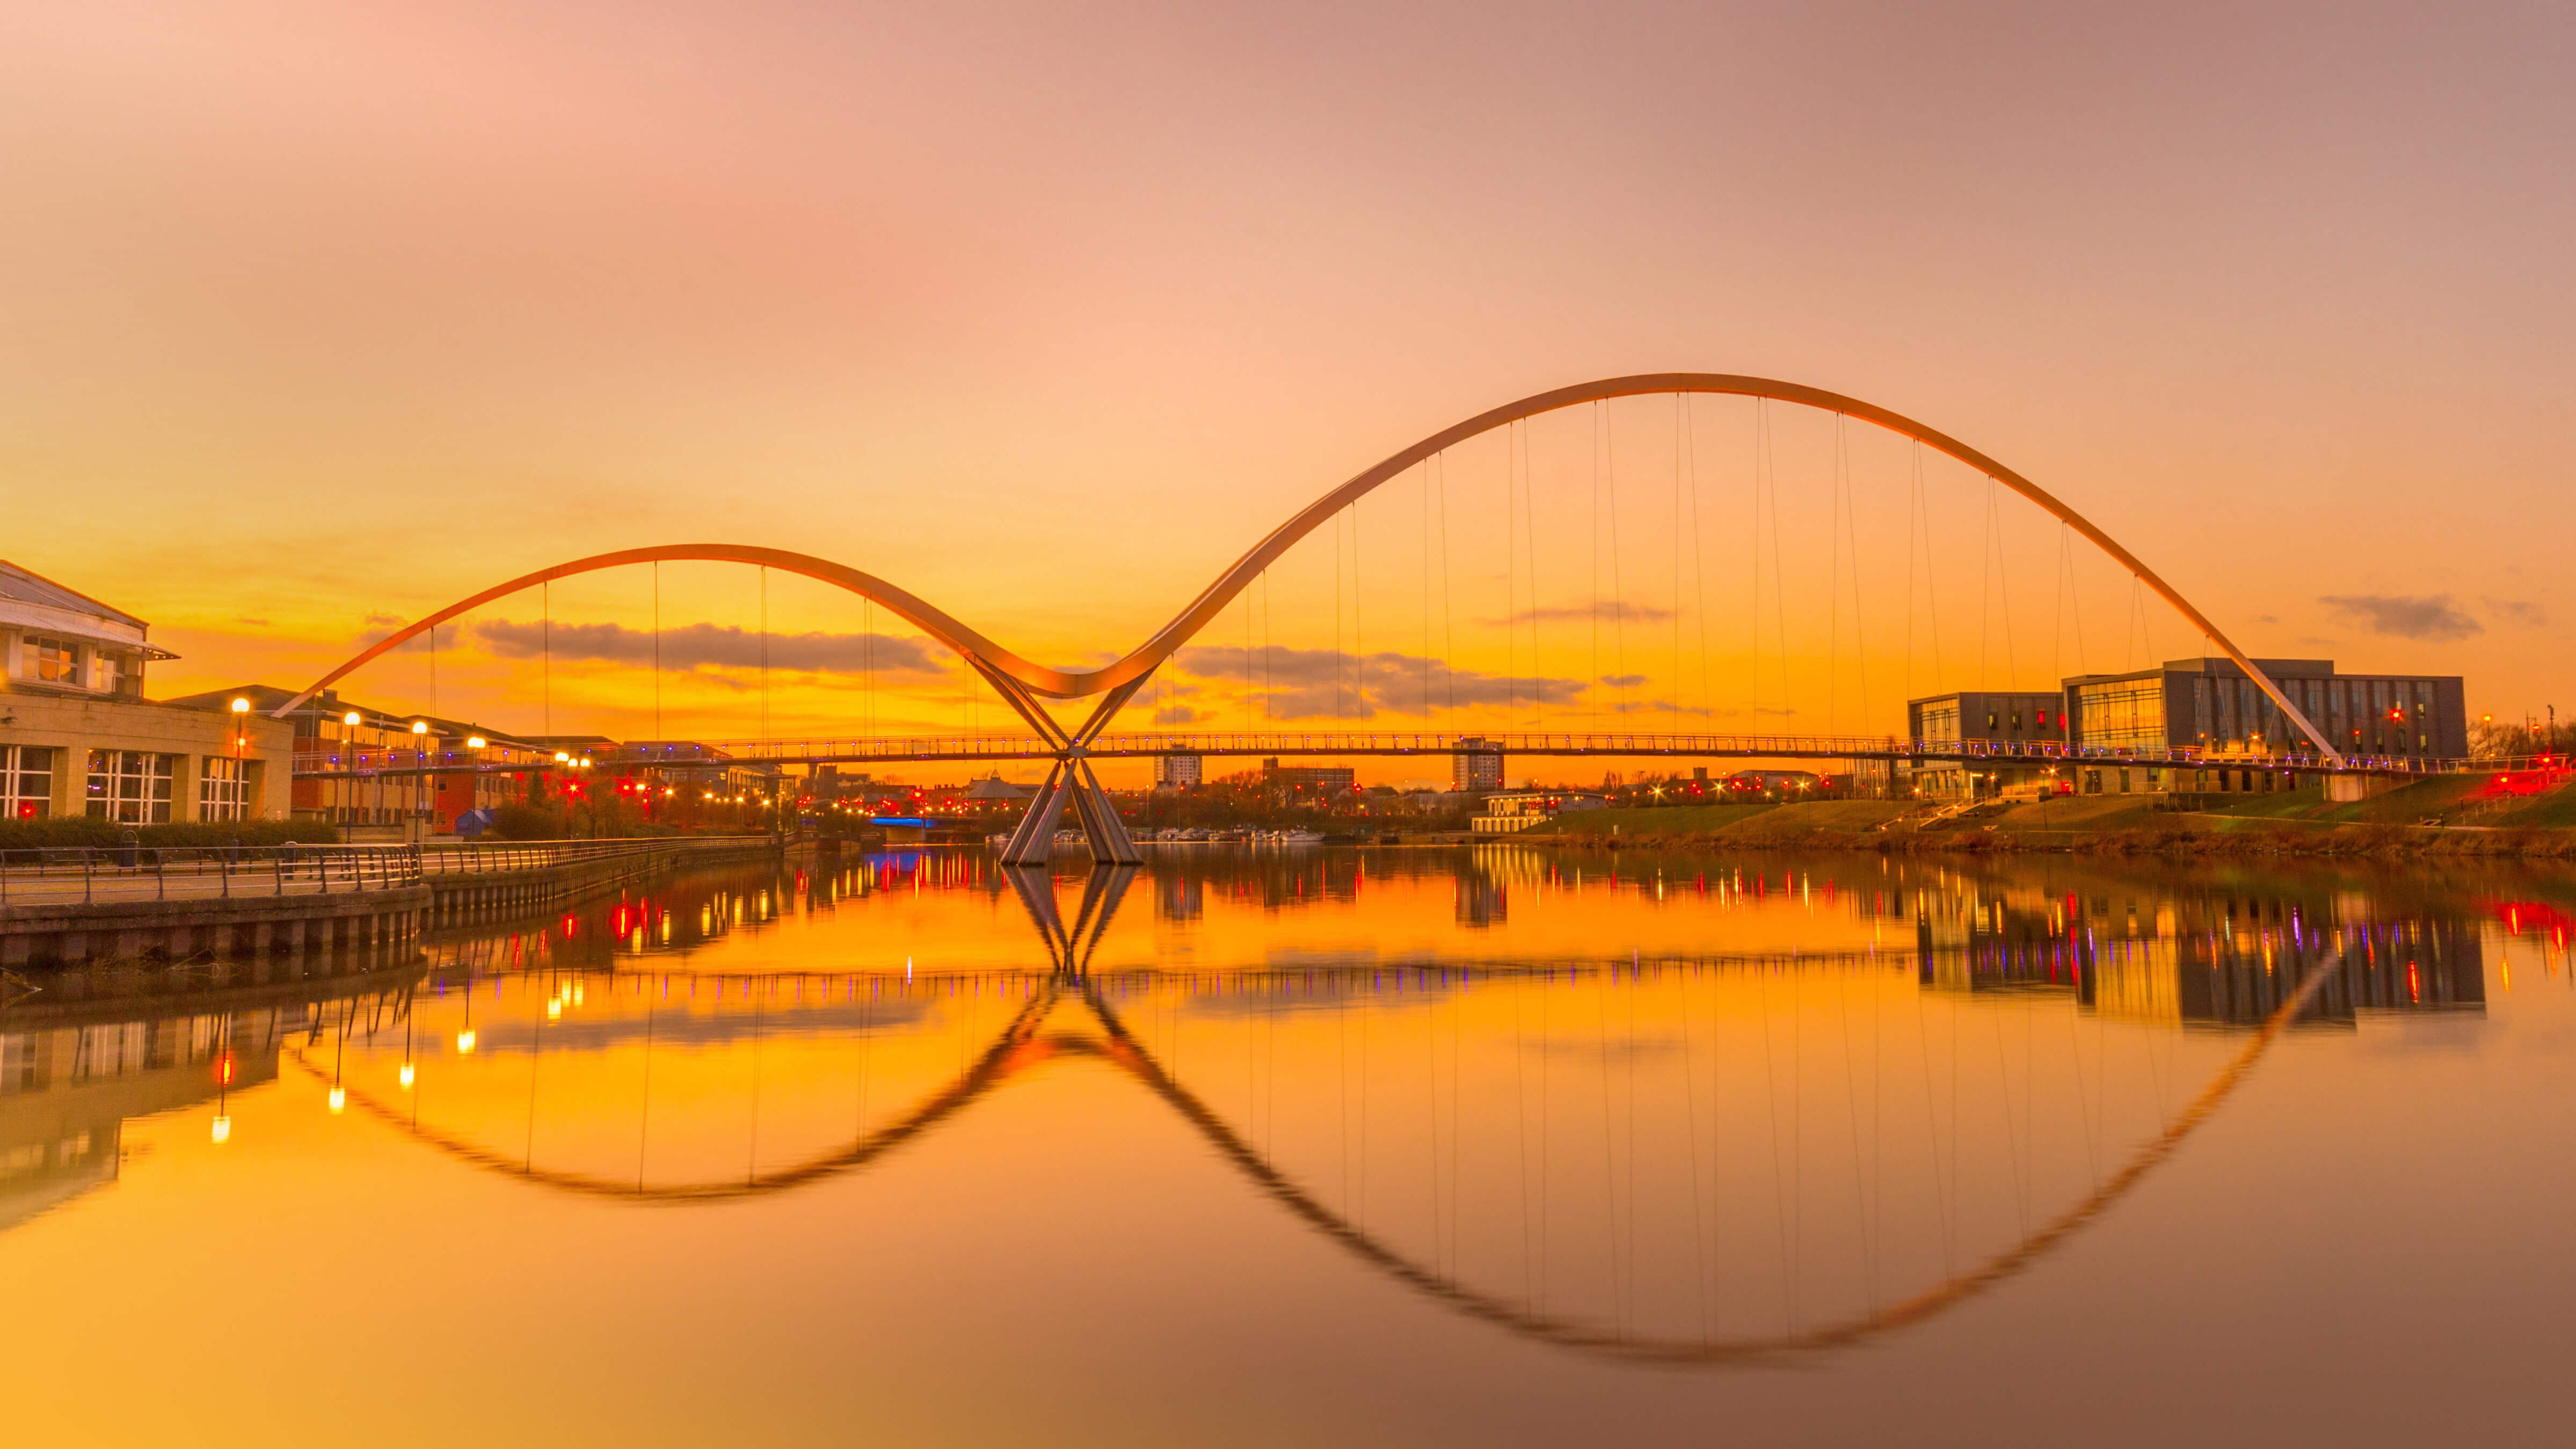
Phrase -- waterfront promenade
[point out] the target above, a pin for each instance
(68, 904)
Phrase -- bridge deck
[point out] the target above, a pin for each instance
(996, 748)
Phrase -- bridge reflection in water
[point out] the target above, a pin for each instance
(1798, 1105)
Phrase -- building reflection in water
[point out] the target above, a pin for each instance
(88, 1050)
(2196, 957)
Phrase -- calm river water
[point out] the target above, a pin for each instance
(1409, 1147)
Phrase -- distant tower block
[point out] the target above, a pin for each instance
(1477, 764)
(1178, 770)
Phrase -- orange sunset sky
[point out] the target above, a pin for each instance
(317, 317)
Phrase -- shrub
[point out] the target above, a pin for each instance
(525, 822)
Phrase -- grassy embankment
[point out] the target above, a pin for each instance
(2471, 817)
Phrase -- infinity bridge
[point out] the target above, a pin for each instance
(1072, 783)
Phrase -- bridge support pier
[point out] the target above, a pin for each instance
(1071, 782)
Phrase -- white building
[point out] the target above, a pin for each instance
(1177, 771)
(78, 738)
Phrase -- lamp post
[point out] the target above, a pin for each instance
(349, 763)
(241, 710)
(420, 774)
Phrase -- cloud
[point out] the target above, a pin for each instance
(1623, 681)
(707, 646)
(1179, 714)
(1608, 613)
(2429, 618)
(379, 619)
(1321, 684)
(2520, 611)
(253, 622)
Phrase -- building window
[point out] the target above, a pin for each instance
(26, 782)
(2122, 714)
(223, 789)
(51, 661)
(130, 787)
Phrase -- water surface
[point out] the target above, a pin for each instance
(1408, 1146)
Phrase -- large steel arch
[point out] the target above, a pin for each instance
(1017, 678)
(1235, 579)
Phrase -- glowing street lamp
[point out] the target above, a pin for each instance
(241, 708)
(420, 781)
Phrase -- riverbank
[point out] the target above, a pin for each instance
(2465, 816)
(178, 903)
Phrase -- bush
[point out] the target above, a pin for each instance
(81, 830)
(525, 822)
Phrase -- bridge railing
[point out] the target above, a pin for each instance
(1640, 743)
(1143, 744)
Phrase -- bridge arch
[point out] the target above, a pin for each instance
(956, 635)
(1213, 599)
(1017, 678)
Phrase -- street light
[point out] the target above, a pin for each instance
(349, 748)
(420, 761)
(241, 707)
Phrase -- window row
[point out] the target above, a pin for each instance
(51, 660)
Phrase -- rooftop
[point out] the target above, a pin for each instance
(23, 586)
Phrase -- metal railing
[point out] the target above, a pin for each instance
(93, 874)
(96, 874)
(967, 747)
(472, 858)
(1130, 744)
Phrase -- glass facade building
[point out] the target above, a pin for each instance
(2209, 705)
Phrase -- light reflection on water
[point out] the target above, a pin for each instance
(1711, 1116)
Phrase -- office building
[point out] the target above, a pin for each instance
(1178, 772)
(1992, 719)
(2211, 707)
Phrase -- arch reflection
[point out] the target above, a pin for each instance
(1969, 942)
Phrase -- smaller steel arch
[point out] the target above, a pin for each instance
(961, 638)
